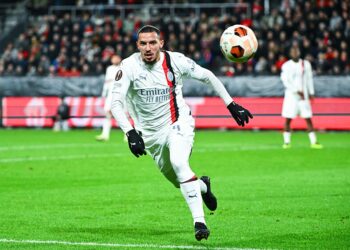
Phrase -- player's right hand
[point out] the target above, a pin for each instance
(136, 144)
(240, 114)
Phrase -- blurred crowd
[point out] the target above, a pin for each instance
(60, 45)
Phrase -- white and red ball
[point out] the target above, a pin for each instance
(238, 43)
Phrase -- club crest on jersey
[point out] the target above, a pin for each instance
(170, 76)
(119, 75)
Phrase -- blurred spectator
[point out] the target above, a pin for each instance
(52, 71)
(86, 70)
(261, 66)
(2, 68)
(280, 61)
(227, 70)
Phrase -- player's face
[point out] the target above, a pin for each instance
(149, 44)
(294, 54)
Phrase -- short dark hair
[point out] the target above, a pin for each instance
(147, 29)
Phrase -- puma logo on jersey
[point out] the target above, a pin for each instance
(143, 75)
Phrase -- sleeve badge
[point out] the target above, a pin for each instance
(119, 75)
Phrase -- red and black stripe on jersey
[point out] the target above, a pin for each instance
(174, 109)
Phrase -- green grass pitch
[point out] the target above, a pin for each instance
(70, 189)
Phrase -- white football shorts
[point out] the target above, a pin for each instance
(171, 148)
(293, 107)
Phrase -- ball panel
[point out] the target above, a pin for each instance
(237, 51)
(240, 31)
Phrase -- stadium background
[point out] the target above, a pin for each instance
(62, 48)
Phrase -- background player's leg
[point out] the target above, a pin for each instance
(106, 128)
(107, 124)
(310, 126)
(287, 133)
(312, 134)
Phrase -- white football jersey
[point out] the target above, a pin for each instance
(297, 76)
(154, 94)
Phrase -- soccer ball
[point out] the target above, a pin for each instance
(238, 43)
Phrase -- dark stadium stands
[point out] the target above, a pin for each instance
(63, 44)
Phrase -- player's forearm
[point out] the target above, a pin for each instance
(217, 85)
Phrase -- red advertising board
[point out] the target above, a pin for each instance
(329, 113)
(86, 111)
(209, 112)
(29, 111)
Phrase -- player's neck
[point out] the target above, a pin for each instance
(156, 62)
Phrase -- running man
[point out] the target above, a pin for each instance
(149, 83)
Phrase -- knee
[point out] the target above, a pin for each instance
(182, 169)
(178, 163)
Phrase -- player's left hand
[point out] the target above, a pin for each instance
(240, 114)
(136, 144)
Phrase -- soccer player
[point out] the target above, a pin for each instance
(107, 94)
(150, 84)
(296, 76)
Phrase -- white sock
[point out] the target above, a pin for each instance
(106, 128)
(312, 137)
(203, 186)
(286, 137)
(192, 194)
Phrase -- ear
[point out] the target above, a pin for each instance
(161, 43)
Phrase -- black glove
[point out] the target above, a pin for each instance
(240, 114)
(136, 144)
